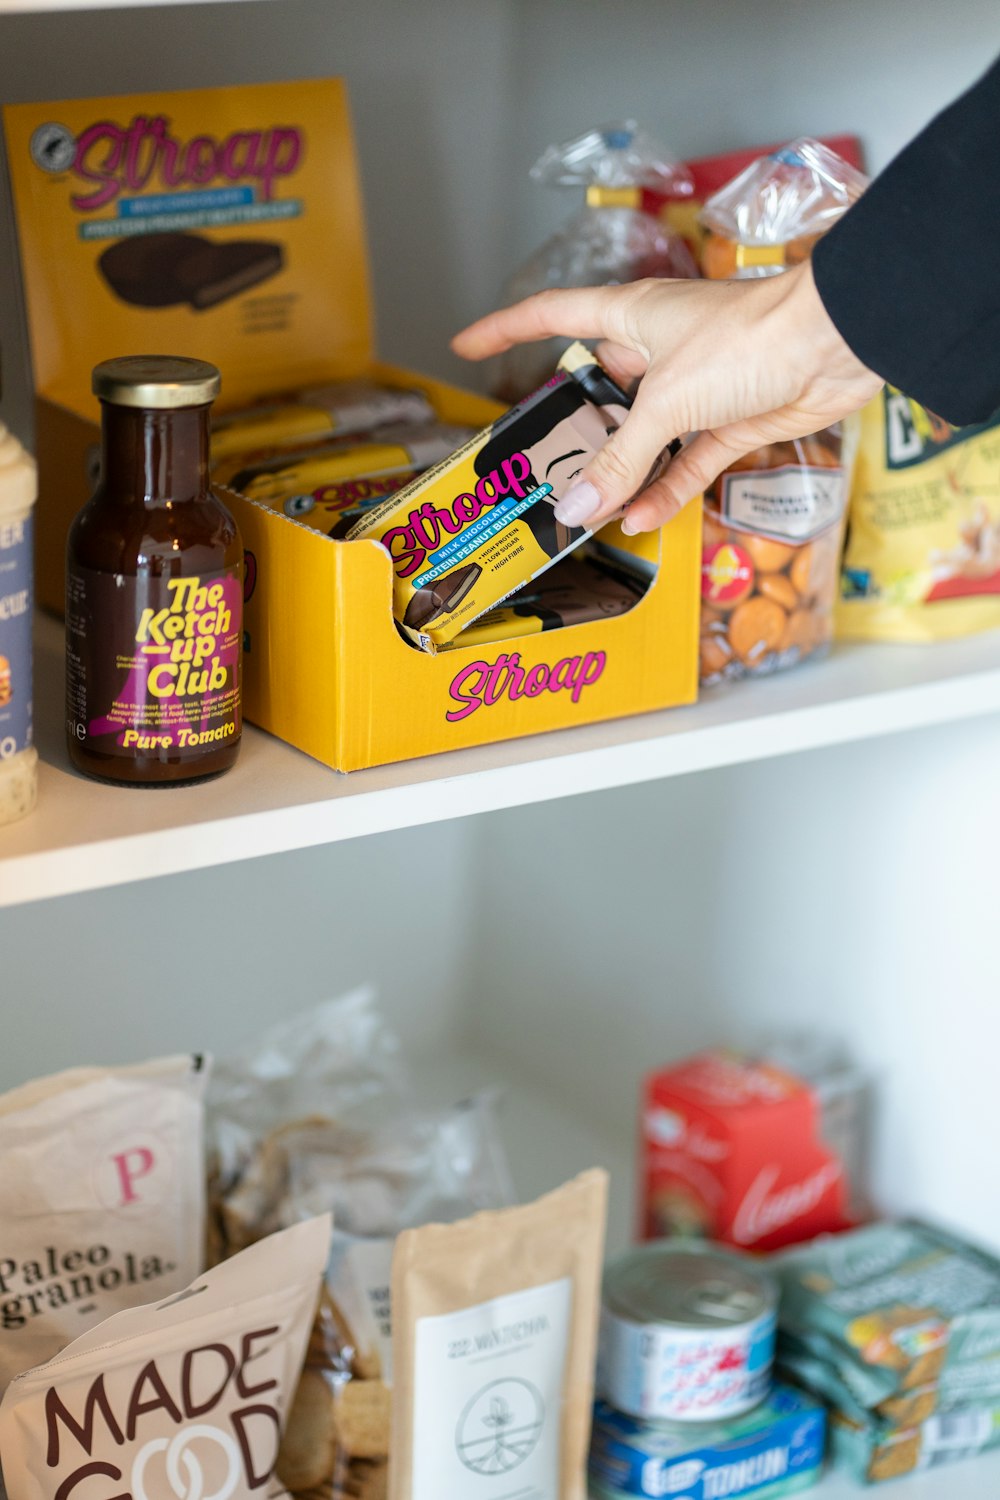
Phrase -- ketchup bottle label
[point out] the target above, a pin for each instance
(153, 664)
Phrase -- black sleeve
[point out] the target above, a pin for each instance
(911, 274)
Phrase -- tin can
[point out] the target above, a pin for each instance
(687, 1333)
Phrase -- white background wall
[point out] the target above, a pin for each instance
(853, 888)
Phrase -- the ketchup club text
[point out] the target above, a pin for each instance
(183, 639)
(210, 1381)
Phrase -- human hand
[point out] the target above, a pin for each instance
(739, 363)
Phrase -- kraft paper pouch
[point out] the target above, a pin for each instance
(297, 482)
(576, 590)
(481, 524)
(341, 409)
(494, 1337)
(185, 1396)
(101, 1199)
(922, 560)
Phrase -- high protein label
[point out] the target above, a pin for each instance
(167, 683)
(15, 636)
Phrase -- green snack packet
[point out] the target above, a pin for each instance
(872, 1451)
(890, 1309)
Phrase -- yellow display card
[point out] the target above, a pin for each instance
(220, 223)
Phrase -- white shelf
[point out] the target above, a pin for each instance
(26, 7)
(85, 835)
(972, 1479)
(547, 1144)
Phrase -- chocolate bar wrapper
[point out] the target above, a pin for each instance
(481, 524)
(341, 409)
(872, 1452)
(573, 592)
(336, 476)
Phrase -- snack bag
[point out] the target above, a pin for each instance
(612, 238)
(318, 1116)
(890, 1309)
(871, 1452)
(102, 1199)
(774, 519)
(184, 1396)
(922, 560)
(495, 1330)
(480, 525)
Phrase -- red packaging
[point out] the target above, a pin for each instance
(742, 1151)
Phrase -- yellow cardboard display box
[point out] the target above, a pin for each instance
(262, 181)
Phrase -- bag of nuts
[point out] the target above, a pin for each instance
(774, 520)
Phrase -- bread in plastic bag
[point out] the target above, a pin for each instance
(773, 212)
(610, 239)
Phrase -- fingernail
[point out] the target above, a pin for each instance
(628, 525)
(579, 503)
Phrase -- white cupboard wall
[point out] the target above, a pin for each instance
(567, 946)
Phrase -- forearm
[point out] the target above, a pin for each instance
(911, 274)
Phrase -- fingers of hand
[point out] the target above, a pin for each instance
(624, 364)
(686, 476)
(578, 313)
(622, 466)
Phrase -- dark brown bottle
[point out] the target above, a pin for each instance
(154, 587)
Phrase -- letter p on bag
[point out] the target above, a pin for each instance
(131, 1167)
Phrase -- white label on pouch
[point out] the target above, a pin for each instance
(791, 503)
(488, 1385)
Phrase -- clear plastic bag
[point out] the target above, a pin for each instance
(774, 211)
(610, 239)
(320, 1111)
(774, 520)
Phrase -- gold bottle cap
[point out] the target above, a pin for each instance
(156, 382)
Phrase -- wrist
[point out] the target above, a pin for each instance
(821, 349)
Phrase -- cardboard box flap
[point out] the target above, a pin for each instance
(221, 223)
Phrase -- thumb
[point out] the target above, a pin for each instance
(687, 475)
(620, 469)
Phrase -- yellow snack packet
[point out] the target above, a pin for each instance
(480, 525)
(922, 560)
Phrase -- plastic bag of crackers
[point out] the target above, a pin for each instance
(774, 520)
(320, 1112)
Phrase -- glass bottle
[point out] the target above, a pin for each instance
(154, 587)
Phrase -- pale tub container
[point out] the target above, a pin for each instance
(18, 756)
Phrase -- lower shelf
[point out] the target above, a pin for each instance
(548, 1143)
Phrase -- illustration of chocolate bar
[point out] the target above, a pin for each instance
(162, 270)
(143, 270)
(443, 594)
(215, 273)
